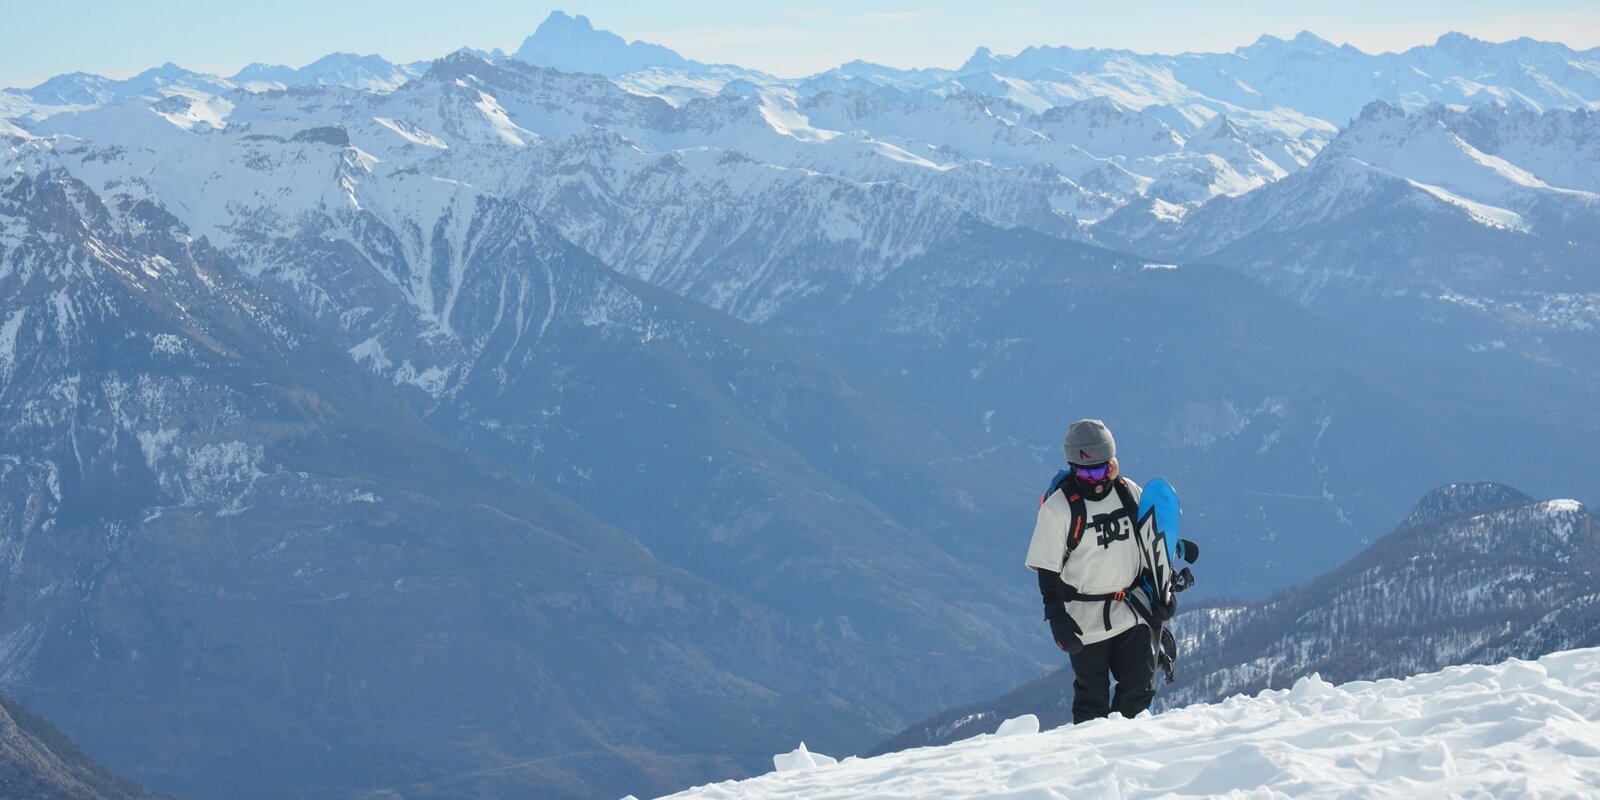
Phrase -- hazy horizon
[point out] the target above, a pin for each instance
(120, 42)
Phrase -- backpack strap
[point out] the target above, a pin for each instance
(1126, 496)
(1080, 512)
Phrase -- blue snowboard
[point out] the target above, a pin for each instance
(1159, 515)
(1161, 500)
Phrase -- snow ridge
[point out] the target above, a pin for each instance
(1519, 728)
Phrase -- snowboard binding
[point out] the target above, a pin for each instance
(1168, 654)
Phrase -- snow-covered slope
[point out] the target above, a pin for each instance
(1463, 232)
(1514, 729)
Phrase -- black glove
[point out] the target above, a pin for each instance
(1066, 633)
(1165, 611)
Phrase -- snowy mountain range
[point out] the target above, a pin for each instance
(1104, 146)
(655, 336)
(336, 200)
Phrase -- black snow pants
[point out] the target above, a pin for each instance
(1130, 657)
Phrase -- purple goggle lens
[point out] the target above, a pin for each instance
(1094, 474)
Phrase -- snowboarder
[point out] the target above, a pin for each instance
(1089, 556)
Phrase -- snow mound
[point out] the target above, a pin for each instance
(1517, 729)
(1025, 725)
(800, 758)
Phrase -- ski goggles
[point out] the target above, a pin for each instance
(1095, 473)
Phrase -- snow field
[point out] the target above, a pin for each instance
(1517, 729)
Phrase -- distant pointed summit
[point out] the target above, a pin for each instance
(1220, 127)
(572, 44)
(982, 59)
(1307, 39)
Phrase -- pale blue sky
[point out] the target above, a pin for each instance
(49, 37)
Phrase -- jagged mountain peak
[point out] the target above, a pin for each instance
(561, 23)
(1309, 39)
(573, 44)
(1378, 111)
(982, 59)
(1220, 127)
(454, 61)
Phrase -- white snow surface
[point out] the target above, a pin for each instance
(1516, 729)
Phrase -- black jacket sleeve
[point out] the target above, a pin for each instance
(1050, 587)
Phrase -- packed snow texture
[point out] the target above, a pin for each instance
(1517, 729)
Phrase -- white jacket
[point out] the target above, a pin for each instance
(1108, 558)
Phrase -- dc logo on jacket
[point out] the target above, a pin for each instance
(1111, 528)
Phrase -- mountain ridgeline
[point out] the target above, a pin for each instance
(1478, 573)
(595, 420)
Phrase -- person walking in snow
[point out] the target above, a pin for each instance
(1089, 556)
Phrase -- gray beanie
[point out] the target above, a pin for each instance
(1089, 442)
